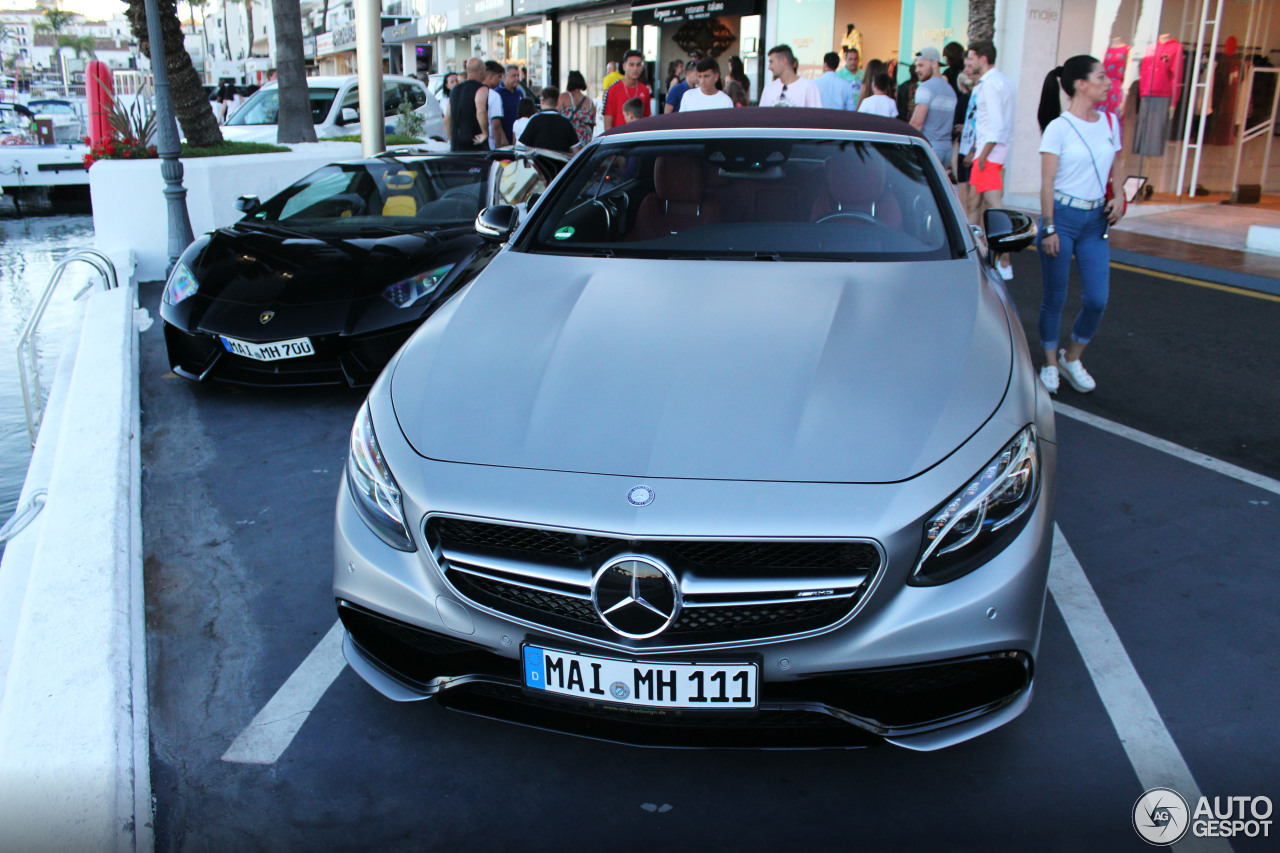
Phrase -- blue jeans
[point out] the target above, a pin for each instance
(1081, 233)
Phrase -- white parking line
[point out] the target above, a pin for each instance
(1151, 750)
(269, 735)
(1193, 456)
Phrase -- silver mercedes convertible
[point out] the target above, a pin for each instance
(736, 442)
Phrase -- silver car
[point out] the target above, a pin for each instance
(736, 442)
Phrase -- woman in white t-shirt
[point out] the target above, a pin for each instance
(1077, 149)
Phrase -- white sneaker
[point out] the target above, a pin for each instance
(1049, 376)
(1076, 374)
(1006, 273)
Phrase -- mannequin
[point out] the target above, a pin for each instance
(1159, 87)
(852, 39)
(1115, 60)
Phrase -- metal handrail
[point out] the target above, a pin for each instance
(31, 387)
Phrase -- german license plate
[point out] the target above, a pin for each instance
(273, 351)
(648, 684)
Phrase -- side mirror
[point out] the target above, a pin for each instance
(496, 223)
(349, 115)
(248, 204)
(1008, 230)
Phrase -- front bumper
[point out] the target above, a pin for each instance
(921, 667)
(354, 360)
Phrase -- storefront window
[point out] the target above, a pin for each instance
(806, 25)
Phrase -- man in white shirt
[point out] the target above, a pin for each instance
(995, 98)
(787, 88)
(706, 96)
(837, 92)
(492, 80)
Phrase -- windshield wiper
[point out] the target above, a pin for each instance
(277, 228)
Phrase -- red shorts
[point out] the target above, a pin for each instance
(985, 180)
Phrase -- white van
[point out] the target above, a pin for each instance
(335, 108)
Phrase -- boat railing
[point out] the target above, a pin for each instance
(28, 369)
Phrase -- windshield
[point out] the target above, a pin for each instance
(263, 107)
(437, 192)
(51, 108)
(775, 199)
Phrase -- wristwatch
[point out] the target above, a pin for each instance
(1048, 230)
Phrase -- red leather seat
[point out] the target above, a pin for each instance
(678, 201)
(861, 185)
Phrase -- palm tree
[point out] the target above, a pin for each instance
(80, 45)
(195, 114)
(982, 20)
(293, 122)
(55, 21)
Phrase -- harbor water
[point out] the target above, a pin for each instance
(29, 250)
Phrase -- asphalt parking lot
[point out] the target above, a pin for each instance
(239, 487)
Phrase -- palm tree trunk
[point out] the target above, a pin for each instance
(248, 17)
(982, 20)
(293, 122)
(190, 105)
(226, 30)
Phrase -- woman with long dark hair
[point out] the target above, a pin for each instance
(1077, 149)
(738, 72)
(577, 107)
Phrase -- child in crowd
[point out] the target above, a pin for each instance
(632, 110)
(880, 103)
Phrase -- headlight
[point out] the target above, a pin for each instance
(373, 489)
(402, 294)
(181, 284)
(983, 517)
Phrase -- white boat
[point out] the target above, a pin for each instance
(26, 163)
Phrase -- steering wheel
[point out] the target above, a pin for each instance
(850, 214)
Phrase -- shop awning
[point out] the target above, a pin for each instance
(647, 12)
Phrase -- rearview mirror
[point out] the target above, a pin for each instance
(1008, 230)
(496, 223)
(248, 204)
(349, 115)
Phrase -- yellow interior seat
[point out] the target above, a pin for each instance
(400, 205)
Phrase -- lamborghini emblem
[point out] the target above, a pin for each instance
(265, 317)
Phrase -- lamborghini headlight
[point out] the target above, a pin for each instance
(981, 519)
(373, 489)
(180, 285)
(405, 293)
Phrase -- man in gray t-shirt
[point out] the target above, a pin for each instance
(934, 115)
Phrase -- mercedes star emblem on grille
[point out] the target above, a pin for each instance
(265, 317)
(637, 597)
(640, 496)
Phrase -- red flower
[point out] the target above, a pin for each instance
(152, 151)
(88, 160)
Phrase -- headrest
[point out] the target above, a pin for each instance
(402, 180)
(678, 177)
(853, 180)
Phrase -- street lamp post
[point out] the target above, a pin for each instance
(169, 145)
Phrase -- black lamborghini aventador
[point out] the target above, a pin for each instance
(322, 283)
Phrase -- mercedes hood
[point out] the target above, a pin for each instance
(727, 370)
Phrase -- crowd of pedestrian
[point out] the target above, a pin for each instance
(957, 99)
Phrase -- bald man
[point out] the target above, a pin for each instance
(467, 118)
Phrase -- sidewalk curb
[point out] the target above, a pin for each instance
(1213, 275)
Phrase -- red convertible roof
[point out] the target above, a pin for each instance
(801, 118)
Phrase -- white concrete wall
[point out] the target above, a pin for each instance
(74, 772)
(213, 184)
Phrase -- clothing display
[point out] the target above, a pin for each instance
(1159, 87)
(1153, 126)
(1161, 70)
(1227, 78)
(1114, 62)
(852, 39)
